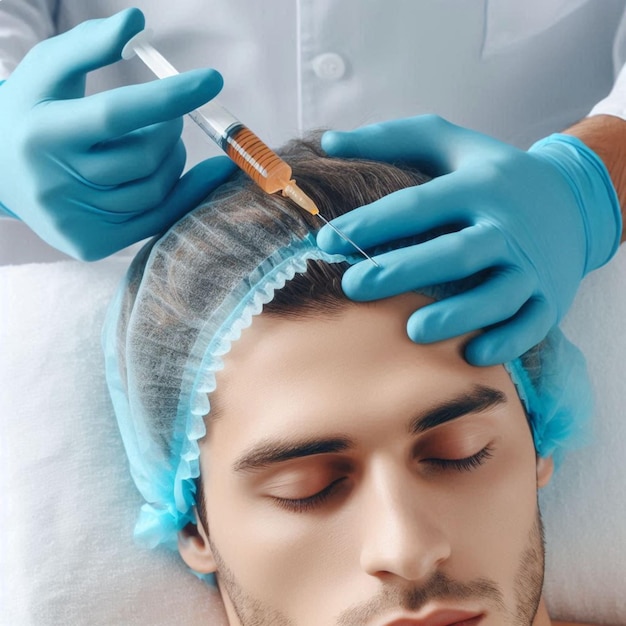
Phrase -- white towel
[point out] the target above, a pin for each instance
(585, 504)
(68, 503)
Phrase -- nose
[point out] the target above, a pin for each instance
(402, 535)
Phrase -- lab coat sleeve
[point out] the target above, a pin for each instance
(23, 23)
(615, 102)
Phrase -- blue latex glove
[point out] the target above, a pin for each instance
(540, 220)
(91, 175)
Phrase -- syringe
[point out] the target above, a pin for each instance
(262, 164)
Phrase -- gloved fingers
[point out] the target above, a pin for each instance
(104, 116)
(448, 257)
(133, 156)
(428, 141)
(497, 299)
(61, 62)
(518, 335)
(405, 213)
(191, 190)
(185, 196)
(128, 201)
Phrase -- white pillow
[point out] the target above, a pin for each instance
(584, 507)
(69, 505)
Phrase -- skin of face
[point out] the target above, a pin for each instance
(413, 487)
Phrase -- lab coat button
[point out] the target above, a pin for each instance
(329, 66)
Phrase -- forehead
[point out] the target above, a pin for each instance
(320, 374)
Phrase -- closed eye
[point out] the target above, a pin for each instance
(301, 505)
(466, 464)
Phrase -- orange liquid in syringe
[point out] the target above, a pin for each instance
(266, 168)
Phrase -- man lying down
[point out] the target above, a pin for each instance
(300, 447)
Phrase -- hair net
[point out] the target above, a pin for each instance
(186, 299)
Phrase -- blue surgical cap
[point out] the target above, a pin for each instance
(186, 299)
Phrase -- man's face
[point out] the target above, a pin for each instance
(353, 477)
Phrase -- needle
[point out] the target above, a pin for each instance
(344, 236)
(291, 190)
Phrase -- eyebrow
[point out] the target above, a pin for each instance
(269, 453)
(479, 399)
(272, 452)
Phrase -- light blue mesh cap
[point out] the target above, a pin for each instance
(188, 296)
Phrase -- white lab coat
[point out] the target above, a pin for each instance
(514, 70)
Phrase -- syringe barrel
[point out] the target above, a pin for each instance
(216, 122)
(261, 163)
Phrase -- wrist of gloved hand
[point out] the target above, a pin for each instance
(595, 194)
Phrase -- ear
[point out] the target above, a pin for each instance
(545, 469)
(195, 549)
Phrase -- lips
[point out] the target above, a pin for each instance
(441, 618)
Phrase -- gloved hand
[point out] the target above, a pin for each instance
(91, 175)
(538, 220)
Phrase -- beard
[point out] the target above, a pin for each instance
(529, 577)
